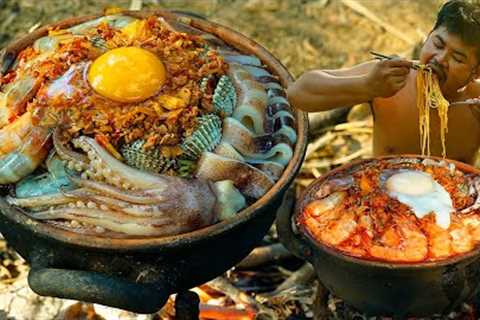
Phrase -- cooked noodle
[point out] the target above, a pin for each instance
(430, 96)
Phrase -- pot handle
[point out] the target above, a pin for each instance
(97, 288)
(290, 240)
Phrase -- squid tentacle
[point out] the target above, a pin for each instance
(45, 200)
(74, 160)
(114, 171)
(114, 221)
(94, 200)
(137, 196)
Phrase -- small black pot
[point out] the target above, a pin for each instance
(140, 274)
(378, 288)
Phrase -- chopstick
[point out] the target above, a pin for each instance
(462, 104)
(381, 56)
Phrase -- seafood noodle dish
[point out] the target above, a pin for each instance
(396, 210)
(139, 127)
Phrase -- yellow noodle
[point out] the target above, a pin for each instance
(430, 96)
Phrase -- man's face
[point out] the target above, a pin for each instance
(455, 61)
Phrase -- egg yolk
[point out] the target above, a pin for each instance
(129, 74)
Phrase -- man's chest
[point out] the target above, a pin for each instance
(397, 127)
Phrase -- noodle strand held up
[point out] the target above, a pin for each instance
(429, 96)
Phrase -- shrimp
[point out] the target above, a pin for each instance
(440, 242)
(461, 239)
(338, 227)
(318, 208)
(23, 147)
(365, 222)
(12, 135)
(339, 230)
(317, 214)
(472, 222)
(14, 97)
(326, 220)
(401, 242)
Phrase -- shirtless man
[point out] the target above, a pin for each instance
(452, 49)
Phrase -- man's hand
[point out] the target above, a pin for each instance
(387, 77)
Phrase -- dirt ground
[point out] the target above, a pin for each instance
(302, 34)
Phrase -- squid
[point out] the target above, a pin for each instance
(110, 195)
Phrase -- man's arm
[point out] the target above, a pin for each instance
(321, 90)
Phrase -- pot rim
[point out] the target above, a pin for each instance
(232, 38)
(318, 246)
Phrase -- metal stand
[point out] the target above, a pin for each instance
(187, 306)
(320, 305)
(321, 311)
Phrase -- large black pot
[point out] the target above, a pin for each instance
(139, 274)
(378, 288)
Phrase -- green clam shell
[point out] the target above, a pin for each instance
(149, 160)
(206, 137)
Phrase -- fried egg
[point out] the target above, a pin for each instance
(422, 194)
(127, 74)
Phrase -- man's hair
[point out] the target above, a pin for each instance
(461, 18)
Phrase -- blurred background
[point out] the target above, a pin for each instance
(303, 35)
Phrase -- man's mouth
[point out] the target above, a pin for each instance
(438, 71)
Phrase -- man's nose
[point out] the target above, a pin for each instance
(442, 59)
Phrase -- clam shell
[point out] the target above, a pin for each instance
(149, 160)
(224, 97)
(206, 137)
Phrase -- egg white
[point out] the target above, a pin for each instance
(422, 194)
